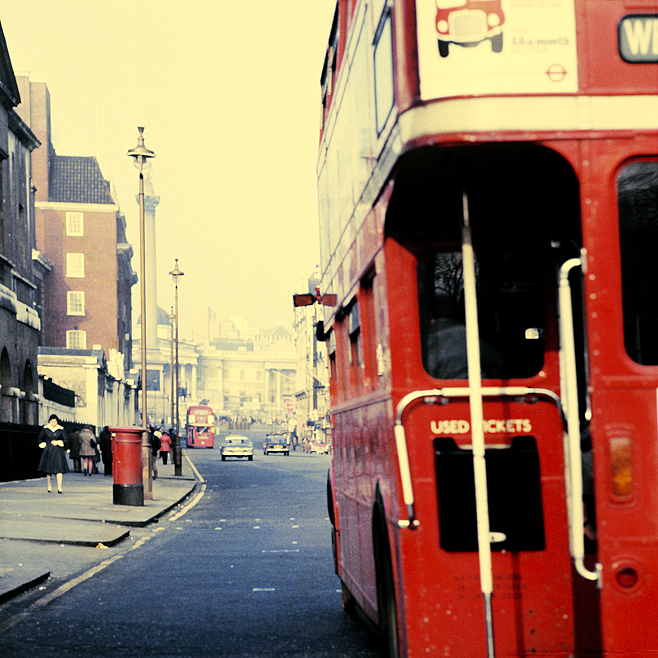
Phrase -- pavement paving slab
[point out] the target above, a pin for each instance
(83, 515)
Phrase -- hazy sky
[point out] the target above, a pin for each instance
(228, 92)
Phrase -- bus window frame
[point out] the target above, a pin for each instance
(625, 261)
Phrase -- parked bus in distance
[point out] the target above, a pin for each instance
(488, 234)
(200, 427)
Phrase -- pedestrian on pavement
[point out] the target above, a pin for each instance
(74, 446)
(154, 440)
(55, 444)
(105, 442)
(87, 449)
(174, 440)
(165, 447)
(95, 460)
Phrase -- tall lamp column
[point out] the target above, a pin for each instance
(171, 317)
(178, 467)
(140, 154)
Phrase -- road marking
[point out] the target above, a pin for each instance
(45, 600)
(264, 589)
(187, 508)
(139, 543)
(193, 467)
(282, 550)
(51, 596)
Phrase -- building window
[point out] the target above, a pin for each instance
(76, 340)
(331, 350)
(356, 358)
(75, 223)
(384, 96)
(75, 303)
(75, 265)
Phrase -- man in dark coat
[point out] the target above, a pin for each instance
(154, 440)
(74, 445)
(105, 442)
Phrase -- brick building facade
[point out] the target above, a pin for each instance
(81, 231)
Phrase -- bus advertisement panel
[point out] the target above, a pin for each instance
(470, 47)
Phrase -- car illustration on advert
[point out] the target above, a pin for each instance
(468, 23)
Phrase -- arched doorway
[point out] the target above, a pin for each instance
(5, 381)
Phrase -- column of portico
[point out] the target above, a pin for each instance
(92, 400)
(220, 386)
(151, 202)
(193, 394)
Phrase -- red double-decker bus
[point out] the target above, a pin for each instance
(489, 230)
(200, 427)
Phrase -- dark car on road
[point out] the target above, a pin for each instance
(274, 444)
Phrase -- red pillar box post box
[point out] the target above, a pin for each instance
(127, 466)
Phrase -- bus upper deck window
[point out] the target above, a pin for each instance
(637, 189)
(509, 316)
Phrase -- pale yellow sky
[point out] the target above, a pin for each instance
(229, 95)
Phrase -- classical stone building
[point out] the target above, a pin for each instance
(239, 370)
(19, 288)
(101, 396)
(245, 371)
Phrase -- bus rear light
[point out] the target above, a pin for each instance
(627, 577)
(621, 466)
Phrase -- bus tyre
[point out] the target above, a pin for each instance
(497, 43)
(444, 48)
(386, 603)
(347, 599)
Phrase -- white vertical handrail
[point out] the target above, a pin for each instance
(477, 422)
(572, 453)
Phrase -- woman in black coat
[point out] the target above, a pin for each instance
(55, 445)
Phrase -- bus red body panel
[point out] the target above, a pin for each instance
(542, 127)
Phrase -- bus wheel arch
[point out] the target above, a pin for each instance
(385, 582)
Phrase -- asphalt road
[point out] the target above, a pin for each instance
(244, 569)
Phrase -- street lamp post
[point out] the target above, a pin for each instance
(171, 317)
(140, 154)
(178, 467)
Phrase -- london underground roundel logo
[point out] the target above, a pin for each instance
(556, 72)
